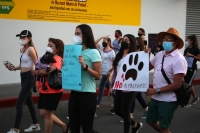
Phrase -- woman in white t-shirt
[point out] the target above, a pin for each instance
(107, 55)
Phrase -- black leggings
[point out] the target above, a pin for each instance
(81, 108)
(191, 73)
(122, 104)
(25, 94)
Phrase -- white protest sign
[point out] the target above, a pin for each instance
(133, 74)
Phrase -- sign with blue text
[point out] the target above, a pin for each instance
(133, 73)
(71, 70)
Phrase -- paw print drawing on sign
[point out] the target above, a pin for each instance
(132, 72)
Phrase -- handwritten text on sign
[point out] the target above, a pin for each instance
(133, 73)
(71, 70)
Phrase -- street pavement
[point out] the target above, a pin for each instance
(186, 120)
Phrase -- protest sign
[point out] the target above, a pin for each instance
(133, 73)
(71, 70)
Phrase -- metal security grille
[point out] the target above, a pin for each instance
(193, 18)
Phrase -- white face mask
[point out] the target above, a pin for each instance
(77, 40)
(22, 42)
(49, 49)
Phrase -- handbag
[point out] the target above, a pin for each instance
(183, 93)
(54, 79)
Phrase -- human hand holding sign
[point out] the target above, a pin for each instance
(151, 91)
(81, 61)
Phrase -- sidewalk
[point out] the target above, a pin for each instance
(10, 92)
(186, 120)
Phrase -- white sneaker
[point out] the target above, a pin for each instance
(12, 131)
(32, 128)
(95, 115)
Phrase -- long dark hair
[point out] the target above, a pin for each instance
(88, 38)
(141, 43)
(132, 48)
(59, 46)
(109, 41)
(194, 40)
(30, 44)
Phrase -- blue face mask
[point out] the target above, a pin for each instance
(187, 44)
(167, 46)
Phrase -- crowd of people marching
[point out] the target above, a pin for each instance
(101, 61)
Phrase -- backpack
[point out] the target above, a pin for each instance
(183, 93)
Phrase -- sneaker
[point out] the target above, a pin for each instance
(13, 131)
(187, 105)
(131, 115)
(136, 129)
(95, 115)
(68, 128)
(112, 111)
(194, 100)
(121, 121)
(32, 128)
(112, 105)
(144, 115)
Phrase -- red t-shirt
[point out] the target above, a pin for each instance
(58, 65)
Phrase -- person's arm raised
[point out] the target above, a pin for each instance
(97, 41)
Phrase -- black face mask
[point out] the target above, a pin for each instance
(104, 44)
(124, 45)
(139, 34)
(145, 42)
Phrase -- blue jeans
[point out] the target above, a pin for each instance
(25, 95)
(103, 83)
(141, 101)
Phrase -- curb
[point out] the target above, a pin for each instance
(10, 102)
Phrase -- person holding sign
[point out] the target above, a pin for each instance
(192, 55)
(107, 55)
(28, 57)
(138, 96)
(123, 99)
(164, 102)
(82, 103)
(50, 97)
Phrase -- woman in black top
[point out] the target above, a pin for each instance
(192, 55)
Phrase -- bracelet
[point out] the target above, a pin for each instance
(85, 69)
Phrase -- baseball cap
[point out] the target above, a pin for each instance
(24, 33)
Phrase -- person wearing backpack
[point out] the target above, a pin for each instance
(164, 101)
(192, 55)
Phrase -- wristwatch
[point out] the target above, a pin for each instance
(85, 69)
(158, 90)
